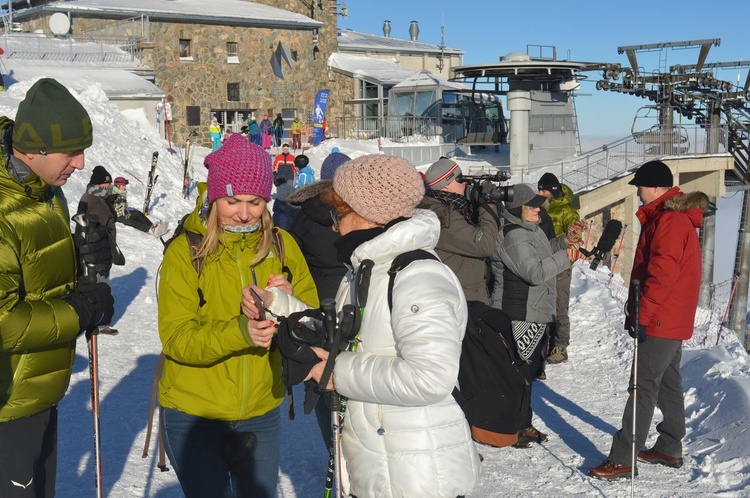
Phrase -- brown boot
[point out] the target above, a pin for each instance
(653, 456)
(610, 470)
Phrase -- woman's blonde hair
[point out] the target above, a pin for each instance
(215, 233)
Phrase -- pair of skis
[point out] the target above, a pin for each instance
(152, 177)
(187, 169)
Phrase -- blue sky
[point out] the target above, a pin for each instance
(582, 30)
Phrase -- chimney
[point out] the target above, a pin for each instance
(414, 31)
(387, 29)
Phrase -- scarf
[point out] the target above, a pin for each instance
(457, 202)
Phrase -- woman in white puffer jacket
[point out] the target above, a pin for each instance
(403, 434)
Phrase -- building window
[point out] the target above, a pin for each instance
(232, 57)
(185, 49)
(193, 113)
(233, 92)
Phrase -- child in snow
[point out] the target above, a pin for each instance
(131, 216)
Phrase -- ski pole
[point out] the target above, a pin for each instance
(93, 346)
(636, 285)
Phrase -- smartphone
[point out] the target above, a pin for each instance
(259, 304)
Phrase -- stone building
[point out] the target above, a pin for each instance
(225, 58)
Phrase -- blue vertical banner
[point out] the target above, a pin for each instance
(319, 114)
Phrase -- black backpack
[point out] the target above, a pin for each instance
(491, 374)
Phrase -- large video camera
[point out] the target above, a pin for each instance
(488, 187)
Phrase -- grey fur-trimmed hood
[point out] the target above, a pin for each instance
(314, 189)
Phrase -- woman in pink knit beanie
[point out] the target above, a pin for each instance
(221, 386)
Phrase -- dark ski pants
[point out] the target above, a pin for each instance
(137, 220)
(28, 456)
(560, 333)
(659, 383)
(536, 366)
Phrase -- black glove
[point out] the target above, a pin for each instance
(637, 330)
(94, 250)
(93, 303)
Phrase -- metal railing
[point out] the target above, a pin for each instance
(622, 156)
(398, 129)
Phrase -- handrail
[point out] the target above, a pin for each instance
(624, 155)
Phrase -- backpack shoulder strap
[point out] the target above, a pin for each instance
(278, 244)
(402, 261)
(194, 242)
(509, 227)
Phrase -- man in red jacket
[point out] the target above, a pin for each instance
(668, 265)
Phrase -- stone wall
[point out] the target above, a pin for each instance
(202, 79)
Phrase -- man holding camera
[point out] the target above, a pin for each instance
(42, 310)
(464, 244)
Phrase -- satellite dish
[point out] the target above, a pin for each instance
(59, 23)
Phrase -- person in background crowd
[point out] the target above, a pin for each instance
(96, 204)
(562, 213)
(278, 129)
(404, 434)
(42, 308)
(221, 387)
(285, 158)
(305, 174)
(525, 266)
(296, 134)
(266, 129)
(253, 129)
(131, 216)
(464, 245)
(668, 264)
(284, 176)
(215, 131)
(313, 230)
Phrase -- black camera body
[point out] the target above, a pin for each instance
(488, 187)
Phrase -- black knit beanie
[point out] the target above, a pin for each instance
(49, 120)
(99, 176)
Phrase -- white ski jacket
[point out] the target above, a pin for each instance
(404, 435)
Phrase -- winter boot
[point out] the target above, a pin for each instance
(559, 354)
(530, 435)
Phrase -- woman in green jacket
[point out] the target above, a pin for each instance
(220, 392)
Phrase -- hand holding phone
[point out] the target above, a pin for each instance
(259, 304)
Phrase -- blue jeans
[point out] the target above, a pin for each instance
(194, 446)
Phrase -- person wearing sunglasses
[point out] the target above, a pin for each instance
(404, 435)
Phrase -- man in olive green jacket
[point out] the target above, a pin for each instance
(560, 209)
(41, 313)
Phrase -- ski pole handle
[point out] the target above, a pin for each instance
(636, 286)
(328, 305)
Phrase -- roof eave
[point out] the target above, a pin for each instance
(162, 16)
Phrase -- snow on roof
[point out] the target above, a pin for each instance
(77, 65)
(381, 71)
(353, 40)
(65, 50)
(230, 12)
(116, 83)
(425, 78)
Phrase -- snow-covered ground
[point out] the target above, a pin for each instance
(580, 404)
